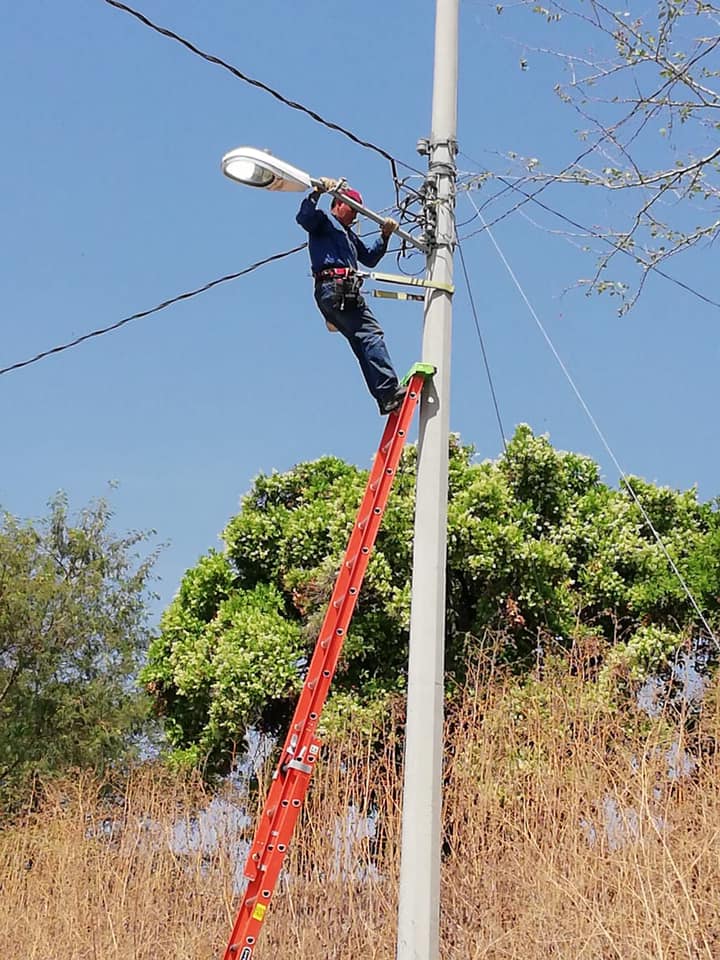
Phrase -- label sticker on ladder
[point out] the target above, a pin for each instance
(259, 911)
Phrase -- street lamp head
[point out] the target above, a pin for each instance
(246, 171)
(258, 168)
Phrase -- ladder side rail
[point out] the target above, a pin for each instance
(290, 783)
(282, 807)
(342, 604)
(302, 708)
(379, 483)
(352, 552)
(308, 709)
(256, 898)
(319, 690)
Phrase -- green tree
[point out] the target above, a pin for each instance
(539, 549)
(72, 630)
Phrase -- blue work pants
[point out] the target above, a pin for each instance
(363, 333)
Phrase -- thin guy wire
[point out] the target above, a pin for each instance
(596, 426)
(146, 313)
(482, 347)
(263, 86)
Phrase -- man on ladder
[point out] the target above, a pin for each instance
(335, 250)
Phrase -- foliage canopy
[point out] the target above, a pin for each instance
(539, 548)
(72, 630)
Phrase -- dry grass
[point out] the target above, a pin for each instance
(565, 839)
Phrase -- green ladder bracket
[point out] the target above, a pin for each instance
(424, 369)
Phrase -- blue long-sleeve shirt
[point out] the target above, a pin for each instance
(333, 245)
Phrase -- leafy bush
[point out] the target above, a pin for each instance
(73, 612)
(539, 549)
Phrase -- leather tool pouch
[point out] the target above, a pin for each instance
(346, 292)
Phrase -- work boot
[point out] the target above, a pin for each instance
(394, 403)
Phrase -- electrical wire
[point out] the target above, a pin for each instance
(263, 86)
(482, 348)
(596, 427)
(588, 230)
(616, 246)
(161, 306)
(146, 313)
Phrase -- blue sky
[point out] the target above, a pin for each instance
(113, 200)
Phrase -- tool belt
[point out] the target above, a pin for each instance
(346, 286)
(330, 273)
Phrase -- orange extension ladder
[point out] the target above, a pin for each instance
(292, 776)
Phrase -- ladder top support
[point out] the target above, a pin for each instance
(424, 369)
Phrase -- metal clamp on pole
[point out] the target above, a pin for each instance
(411, 281)
(371, 215)
(398, 295)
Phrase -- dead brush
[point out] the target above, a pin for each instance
(566, 836)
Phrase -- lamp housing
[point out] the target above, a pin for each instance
(258, 168)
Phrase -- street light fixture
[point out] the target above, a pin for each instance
(258, 168)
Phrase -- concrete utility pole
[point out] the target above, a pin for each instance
(419, 908)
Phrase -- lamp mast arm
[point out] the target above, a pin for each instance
(371, 215)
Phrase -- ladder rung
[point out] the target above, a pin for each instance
(299, 765)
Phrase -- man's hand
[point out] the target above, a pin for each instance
(326, 185)
(388, 226)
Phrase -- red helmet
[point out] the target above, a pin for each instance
(346, 214)
(353, 194)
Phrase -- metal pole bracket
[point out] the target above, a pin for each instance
(412, 281)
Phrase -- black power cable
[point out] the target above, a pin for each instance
(263, 86)
(146, 313)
